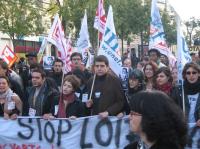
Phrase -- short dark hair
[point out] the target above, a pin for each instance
(73, 80)
(58, 60)
(154, 50)
(187, 66)
(41, 71)
(162, 120)
(3, 65)
(102, 58)
(76, 54)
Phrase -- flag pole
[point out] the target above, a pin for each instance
(178, 21)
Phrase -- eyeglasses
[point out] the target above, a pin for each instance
(191, 72)
(135, 113)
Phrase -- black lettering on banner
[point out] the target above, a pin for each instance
(60, 131)
(118, 132)
(20, 134)
(104, 122)
(191, 135)
(39, 128)
(50, 140)
(83, 135)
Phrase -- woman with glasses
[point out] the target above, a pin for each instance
(191, 86)
(158, 121)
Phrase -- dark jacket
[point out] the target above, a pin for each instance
(107, 95)
(73, 109)
(45, 97)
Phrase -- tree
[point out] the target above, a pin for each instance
(19, 18)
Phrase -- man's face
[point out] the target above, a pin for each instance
(31, 60)
(2, 71)
(76, 60)
(37, 79)
(57, 67)
(153, 56)
(101, 68)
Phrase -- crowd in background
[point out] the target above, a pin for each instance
(30, 90)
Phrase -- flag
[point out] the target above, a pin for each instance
(57, 37)
(183, 50)
(42, 48)
(157, 36)
(83, 42)
(100, 19)
(8, 56)
(109, 45)
(69, 51)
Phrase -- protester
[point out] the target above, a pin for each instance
(40, 96)
(175, 76)
(127, 62)
(149, 71)
(191, 85)
(154, 56)
(57, 73)
(158, 121)
(164, 59)
(69, 105)
(163, 82)
(11, 104)
(107, 97)
(135, 81)
(77, 63)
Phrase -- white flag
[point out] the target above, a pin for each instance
(83, 42)
(183, 51)
(57, 37)
(109, 45)
(157, 36)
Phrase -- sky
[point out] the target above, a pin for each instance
(186, 8)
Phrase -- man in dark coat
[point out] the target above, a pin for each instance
(107, 97)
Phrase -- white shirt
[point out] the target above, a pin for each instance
(192, 101)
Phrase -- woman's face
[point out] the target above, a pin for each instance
(148, 71)
(67, 88)
(3, 85)
(133, 82)
(192, 75)
(174, 74)
(135, 122)
(161, 79)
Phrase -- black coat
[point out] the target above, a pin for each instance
(73, 109)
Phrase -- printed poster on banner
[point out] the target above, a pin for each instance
(124, 77)
(8, 56)
(48, 62)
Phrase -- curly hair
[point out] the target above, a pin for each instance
(166, 71)
(162, 120)
(73, 80)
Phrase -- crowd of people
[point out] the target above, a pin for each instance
(152, 87)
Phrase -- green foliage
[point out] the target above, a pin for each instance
(20, 17)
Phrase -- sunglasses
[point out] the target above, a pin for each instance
(191, 72)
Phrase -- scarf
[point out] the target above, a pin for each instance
(166, 88)
(70, 98)
(191, 89)
(7, 95)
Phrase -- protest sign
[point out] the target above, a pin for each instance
(87, 132)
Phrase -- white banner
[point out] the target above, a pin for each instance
(87, 132)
